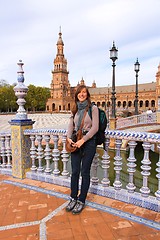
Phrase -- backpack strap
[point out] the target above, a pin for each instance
(90, 110)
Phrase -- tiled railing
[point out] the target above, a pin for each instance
(136, 120)
(62, 176)
(50, 163)
(5, 153)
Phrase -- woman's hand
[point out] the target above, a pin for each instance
(71, 142)
(79, 143)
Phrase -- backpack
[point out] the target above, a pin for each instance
(100, 135)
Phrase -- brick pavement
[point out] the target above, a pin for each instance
(31, 210)
(42, 120)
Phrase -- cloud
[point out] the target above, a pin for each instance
(29, 31)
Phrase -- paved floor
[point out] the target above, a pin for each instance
(42, 120)
(57, 121)
(31, 210)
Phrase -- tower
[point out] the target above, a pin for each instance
(158, 89)
(60, 90)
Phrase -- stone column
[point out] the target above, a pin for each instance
(20, 143)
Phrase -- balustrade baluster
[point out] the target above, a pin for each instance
(105, 165)
(33, 153)
(131, 166)
(56, 155)
(3, 152)
(8, 151)
(65, 158)
(94, 166)
(39, 153)
(146, 168)
(157, 193)
(118, 163)
(47, 154)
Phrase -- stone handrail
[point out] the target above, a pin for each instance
(136, 120)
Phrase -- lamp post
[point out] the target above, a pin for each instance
(136, 69)
(108, 104)
(113, 57)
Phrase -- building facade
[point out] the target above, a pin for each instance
(62, 93)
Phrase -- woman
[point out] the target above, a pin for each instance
(81, 159)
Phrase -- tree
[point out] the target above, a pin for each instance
(7, 98)
(36, 98)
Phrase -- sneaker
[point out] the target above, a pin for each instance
(78, 207)
(71, 205)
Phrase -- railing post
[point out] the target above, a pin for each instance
(40, 153)
(56, 155)
(94, 166)
(131, 166)
(65, 157)
(33, 153)
(3, 151)
(145, 169)
(47, 155)
(105, 165)
(118, 164)
(157, 193)
(8, 151)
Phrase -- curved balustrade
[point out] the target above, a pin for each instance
(136, 120)
(50, 163)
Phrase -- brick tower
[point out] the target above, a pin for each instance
(61, 97)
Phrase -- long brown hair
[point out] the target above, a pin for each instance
(79, 89)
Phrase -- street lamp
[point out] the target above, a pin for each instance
(108, 104)
(136, 69)
(113, 57)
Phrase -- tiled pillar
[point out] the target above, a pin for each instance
(21, 144)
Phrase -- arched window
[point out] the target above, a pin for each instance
(53, 107)
(124, 104)
(118, 103)
(141, 103)
(98, 104)
(153, 103)
(129, 104)
(146, 103)
(103, 104)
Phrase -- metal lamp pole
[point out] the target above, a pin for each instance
(136, 69)
(113, 57)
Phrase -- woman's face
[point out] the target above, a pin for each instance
(82, 96)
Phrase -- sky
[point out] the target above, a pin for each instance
(29, 32)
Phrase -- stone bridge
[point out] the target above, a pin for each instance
(143, 123)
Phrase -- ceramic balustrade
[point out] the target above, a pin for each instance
(136, 120)
(50, 162)
(5, 153)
